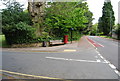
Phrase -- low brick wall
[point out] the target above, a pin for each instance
(28, 45)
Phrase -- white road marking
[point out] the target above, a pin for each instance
(99, 54)
(56, 58)
(102, 57)
(107, 61)
(101, 45)
(117, 72)
(77, 60)
(112, 66)
(98, 60)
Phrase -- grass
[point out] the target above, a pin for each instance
(106, 36)
(3, 41)
(109, 37)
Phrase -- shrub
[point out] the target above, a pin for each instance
(19, 33)
(117, 30)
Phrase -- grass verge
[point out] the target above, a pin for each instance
(3, 41)
(106, 37)
(109, 37)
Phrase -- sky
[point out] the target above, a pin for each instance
(119, 12)
(95, 7)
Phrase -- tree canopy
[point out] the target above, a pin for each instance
(59, 19)
(14, 13)
(107, 20)
(62, 16)
(16, 24)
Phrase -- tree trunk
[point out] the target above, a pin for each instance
(36, 9)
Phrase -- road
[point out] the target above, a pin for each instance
(84, 63)
(109, 49)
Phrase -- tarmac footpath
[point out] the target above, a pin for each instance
(57, 48)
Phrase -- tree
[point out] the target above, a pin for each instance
(100, 27)
(16, 24)
(36, 10)
(117, 30)
(94, 29)
(62, 16)
(14, 13)
(88, 14)
(107, 20)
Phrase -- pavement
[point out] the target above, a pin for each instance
(60, 48)
(43, 49)
(79, 60)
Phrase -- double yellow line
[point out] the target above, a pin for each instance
(28, 75)
(34, 76)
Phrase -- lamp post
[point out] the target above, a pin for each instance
(110, 24)
(96, 30)
(71, 34)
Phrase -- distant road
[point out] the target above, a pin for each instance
(108, 49)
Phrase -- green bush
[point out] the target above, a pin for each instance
(76, 35)
(119, 33)
(19, 33)
(117, 30)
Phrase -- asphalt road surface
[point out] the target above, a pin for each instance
(84, 63)
(109, 49)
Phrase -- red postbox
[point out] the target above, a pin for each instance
(65, 39)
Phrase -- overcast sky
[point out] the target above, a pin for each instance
(95, 6)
